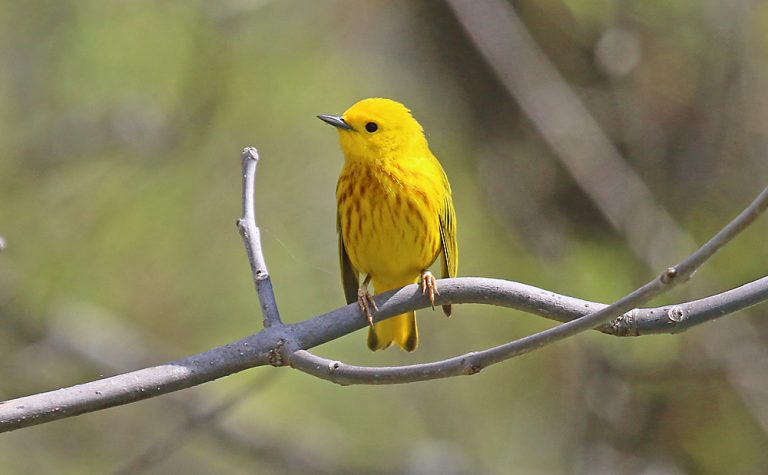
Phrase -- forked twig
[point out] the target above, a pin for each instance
(280, 344)
(472, 363)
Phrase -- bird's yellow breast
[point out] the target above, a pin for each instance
(389, 218)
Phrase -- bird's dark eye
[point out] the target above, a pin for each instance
(371, 127)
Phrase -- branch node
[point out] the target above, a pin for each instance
(676, 314)
(470, 367)
(669, 275)
(334, 365)
(625, 325)
(276, 356)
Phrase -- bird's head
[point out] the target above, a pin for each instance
(377, 129)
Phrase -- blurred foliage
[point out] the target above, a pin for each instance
(121, 125)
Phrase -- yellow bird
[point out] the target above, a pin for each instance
(395, 215)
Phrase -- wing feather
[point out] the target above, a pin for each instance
(450, 251)
(349, 276)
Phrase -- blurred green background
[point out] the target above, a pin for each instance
(121, 126)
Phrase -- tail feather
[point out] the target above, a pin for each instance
(400, 329)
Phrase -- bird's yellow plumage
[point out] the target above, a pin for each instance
(395, 214)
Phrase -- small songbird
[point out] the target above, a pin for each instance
(395, 215)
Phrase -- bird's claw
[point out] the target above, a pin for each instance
(365, 302)
(429, 287)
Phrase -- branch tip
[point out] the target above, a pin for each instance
(250, 153)
(249, 231)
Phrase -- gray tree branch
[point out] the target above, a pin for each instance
(96, 337)
(252, 241)
(280, 344)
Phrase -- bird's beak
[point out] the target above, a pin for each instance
(335, 121)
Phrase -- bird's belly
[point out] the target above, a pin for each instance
(391, 238)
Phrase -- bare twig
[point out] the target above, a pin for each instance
(138, 385)
(276, 343)
(680, 317)
(667, 319)
(252, 240)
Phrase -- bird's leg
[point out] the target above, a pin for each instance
(365, 301)
(429, 286)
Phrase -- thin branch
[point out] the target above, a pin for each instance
(683, 316)
(275, 344)
(138, 385)
(668, 319)
(252, 240)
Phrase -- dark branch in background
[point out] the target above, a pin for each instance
(570, 130)
(159, 450)
(279, 343)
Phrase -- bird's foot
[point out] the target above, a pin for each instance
(365, 302)
(429, 287)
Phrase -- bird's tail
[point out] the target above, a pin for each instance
(400, 329)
